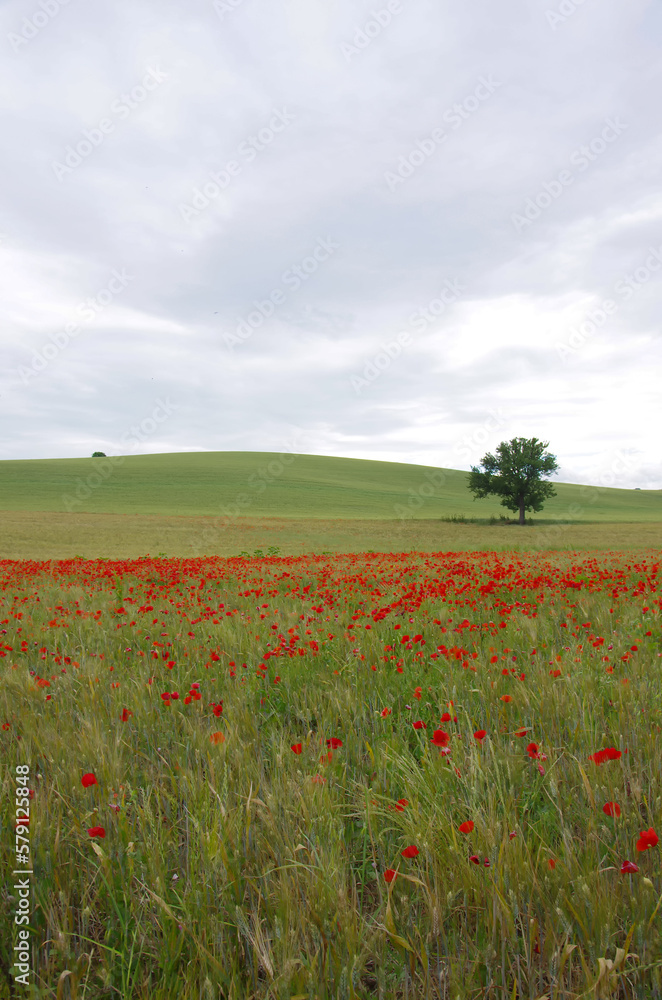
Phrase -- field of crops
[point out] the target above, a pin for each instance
(430, 775)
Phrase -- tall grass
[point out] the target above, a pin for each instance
(241, 869)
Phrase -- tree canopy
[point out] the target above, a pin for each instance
(514, 474)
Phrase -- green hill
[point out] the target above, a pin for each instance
(264, 484)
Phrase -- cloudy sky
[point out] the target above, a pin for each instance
(387, 229)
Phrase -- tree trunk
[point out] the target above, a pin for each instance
(521, 510)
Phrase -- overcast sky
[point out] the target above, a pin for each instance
(402, 230)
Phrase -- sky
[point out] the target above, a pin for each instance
(399, 230)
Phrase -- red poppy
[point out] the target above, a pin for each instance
(385, 712)
(440, 738)
(475, 859)
(512, 834)
(97, 831)
(611, 809)
(125, 714)
(532, 750)
(334, 743)
(218, 737)
(402, 805)
(88, 779)
(480, 734)
(410, 852)
(467, 826)
(600, 756)
(417, 693)
(506, 697)
(551, 862)
(629, 866)
(296, 747)
(521, 732)
(390, 874)
(419, 725)
(648, 838)
(486, 862)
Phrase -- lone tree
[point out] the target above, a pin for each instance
(515, 475)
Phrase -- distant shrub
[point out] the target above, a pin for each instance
(98, 454)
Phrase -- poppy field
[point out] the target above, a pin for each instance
(431, 775)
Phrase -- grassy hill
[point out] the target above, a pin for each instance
(262, 484)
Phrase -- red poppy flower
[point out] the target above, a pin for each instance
(419, 725)
(88, 779)
(475, 859)
(512, 834)
(486, 862)
(125, 714)
(440, 738)
(629, 866)
(480, 734)
(402, 805)
(610, 753)
(521, 732)
(334, 743)
(218, 737)
(97, 831)
(467, 826)
(532, 750)
(410, 852)
(417, 693)
(385, 712)
(506, 697)
(296, 747)
(551, 862)
(648, 838)
(390, 874)
(611, 809)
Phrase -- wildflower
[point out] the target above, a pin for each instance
(467, 826)
(475, 859)
(97, 831)
(88, 779)
(419, 725)
(402, 805)
(480, 734)
(218, 737)
(390, 874)
(125, 714)
(296, 747)
(506, 697)
(600, 756)
(611, 809)
(334, 743)
(648, 838)
(628, 866)
(440, 738)
(385, 712)
(552, 863)
(410, 852)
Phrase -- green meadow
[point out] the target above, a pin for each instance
(223, 503)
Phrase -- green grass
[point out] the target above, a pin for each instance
(262, 484)
(229, 873)
(45, 535)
